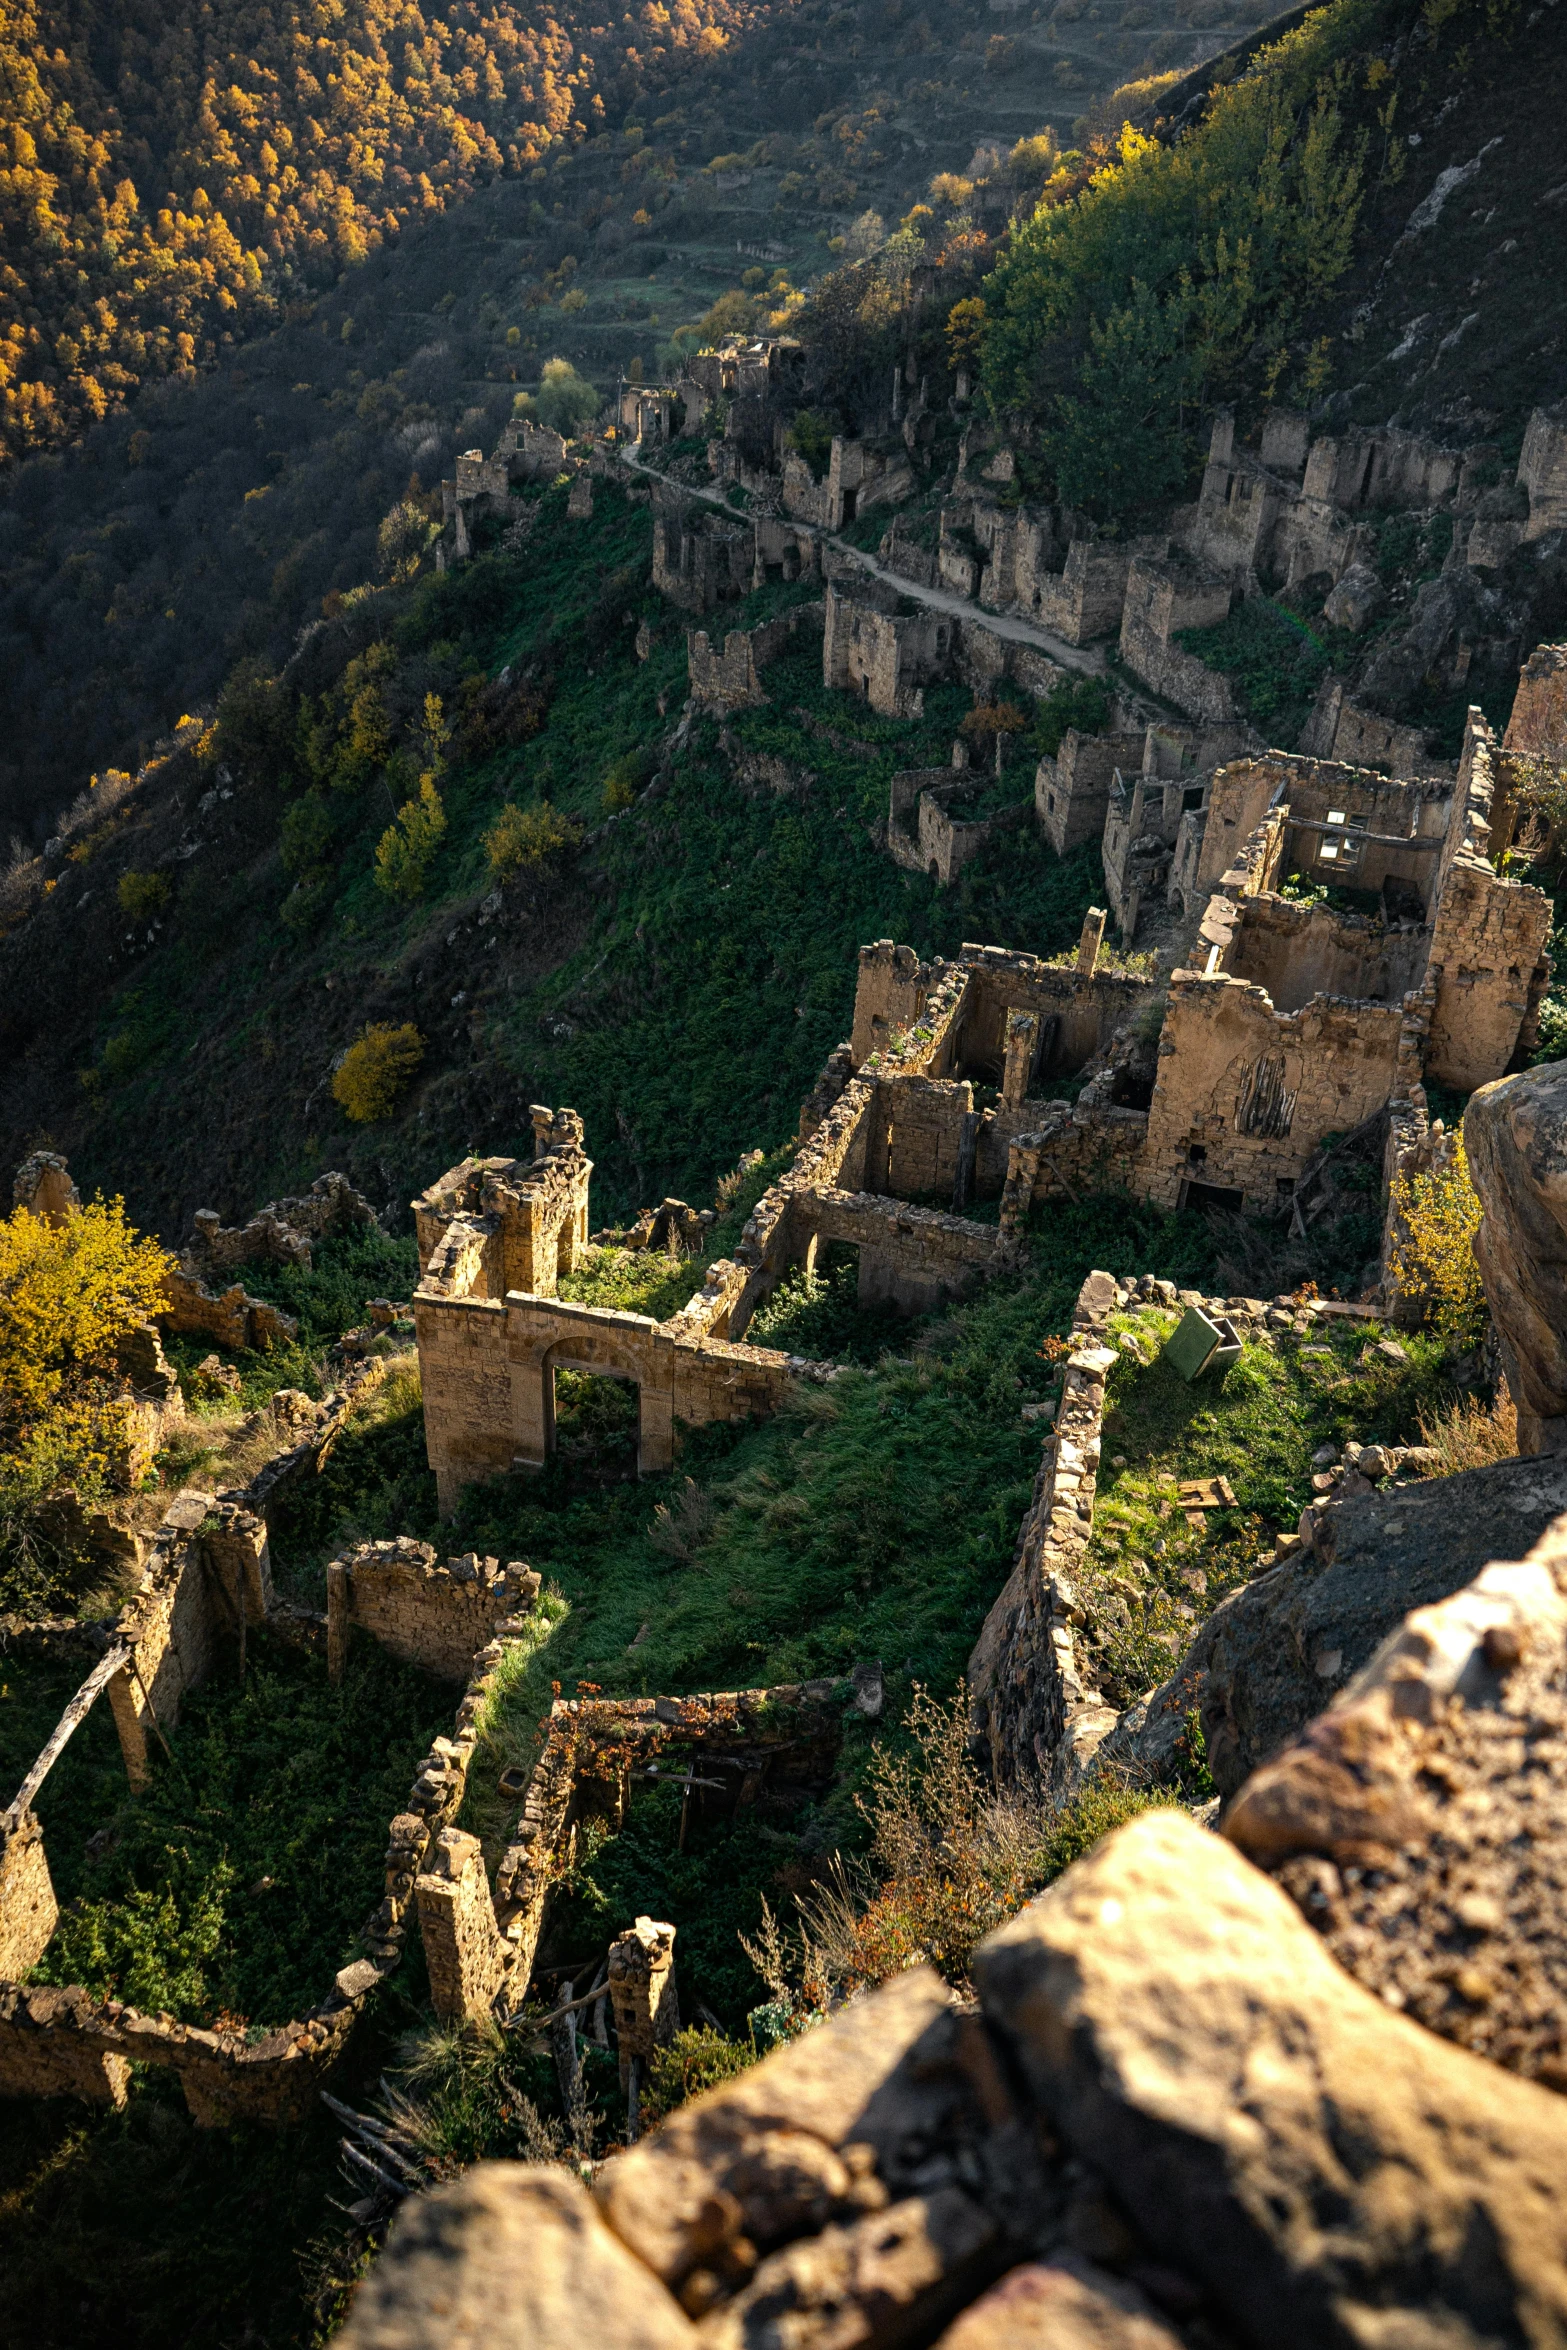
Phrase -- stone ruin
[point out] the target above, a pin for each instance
(1260, 2088)
(1286, 1024)
(205, 1586)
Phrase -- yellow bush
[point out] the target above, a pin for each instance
(525, 838)
(67, 1292)
(142, 895)
(1432, 1257)
(375, 1070)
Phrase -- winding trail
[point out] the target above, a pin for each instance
(1006, 625)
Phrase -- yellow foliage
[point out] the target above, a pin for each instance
(67, 1293)
(375, 1070)
(1432, 1258)
(525, 838)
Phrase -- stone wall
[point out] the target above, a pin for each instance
(62, 2042)
(1162, 597)
(1339, 729)
(28, 1910)
(493, 1225)
(1072, 790)
(889, 997)
(281, 1233)
(699, 559)
(1245, 1093)
(887, 657)
(732, 677)
(175, 1629)
(1489, 938)
(1537, 727)
(773, 1746)
(428, 1613)
(1033, 1717)
(943, 841)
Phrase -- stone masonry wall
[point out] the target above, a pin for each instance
(1162, 598)
(427, 1613)
(1244, 1093)
(28, 1910)
(592, 1746)
(732, 676)
(62, 2042)
(1031, 1712)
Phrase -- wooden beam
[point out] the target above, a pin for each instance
(75, 1713)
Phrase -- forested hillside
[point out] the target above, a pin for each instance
(175, 177)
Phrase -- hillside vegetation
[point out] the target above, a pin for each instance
(176, 176)
(207, 514)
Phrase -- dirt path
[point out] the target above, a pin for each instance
(1002, 624)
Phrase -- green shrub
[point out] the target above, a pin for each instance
(405, 850)
(142, 895)
(696, 2059)
(1174, 267)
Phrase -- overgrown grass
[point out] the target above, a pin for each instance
(648, 1281)
(347, 1269)
(1149, 1578)
(1275, 660)
(238, 1882)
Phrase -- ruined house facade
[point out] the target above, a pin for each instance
(1289, 1021)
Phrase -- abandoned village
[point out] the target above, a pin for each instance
(1187, 1971)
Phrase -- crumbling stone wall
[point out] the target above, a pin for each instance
(174, 1629)
(888, 657)
(732, 677)
(1245, 1093)
(29, 1912)
(943, 841)
(1162, 597)
(1032, 1714)
(699, 560)
(858, 477)
(281, 1233)
(42, 1184)
(889, 997)
(427, 1612)
(62, 2042)
(1537, 726)
(1072, 790)
(1488, 944)
(1340, 729)
(773, 1745)
(493, 1225)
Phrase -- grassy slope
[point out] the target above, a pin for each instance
(679, 981)
(1149, 1578)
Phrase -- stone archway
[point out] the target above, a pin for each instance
(602, 1358)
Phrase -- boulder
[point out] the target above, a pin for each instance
(1421, 1823)
(884, 2280)
(1356, 599)
(832, 2127)
(513, 2255)
(1515, 1136)
(1276, 1651)
(1059, 2304)
(1334, 2174)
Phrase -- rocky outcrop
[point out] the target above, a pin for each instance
(1326, 2170)
(513, 2255)
(1421, 1823)
(1515, 1134)
(1273, 1653)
